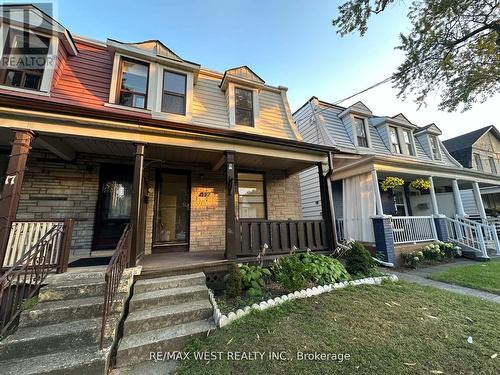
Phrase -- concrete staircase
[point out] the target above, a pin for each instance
(164, 313)
(61, 333)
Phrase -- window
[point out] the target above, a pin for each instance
(407, 137)
(243, 101)
(359, 124)
(436, 153)
(493, 166)
(399, 202)
(28, 54)
(395, 147)
(133, 83)
(251, 196)
(174, 93)
(479, 163)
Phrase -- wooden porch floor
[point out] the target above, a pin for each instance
(175, 263)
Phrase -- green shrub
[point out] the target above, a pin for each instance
(433, 253)
(292, 273)
(233, 281)
(450, 250)
(324, 269)
(359, 261)
(413, 259)
(253, 279)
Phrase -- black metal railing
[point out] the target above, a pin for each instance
(113, 275)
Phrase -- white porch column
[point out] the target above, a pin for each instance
(479, 201)
(435, 209)
(378, 198)
(458, 198)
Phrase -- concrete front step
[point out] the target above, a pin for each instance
(80, 288)
(150, 285)
(83, 360)
(165, 297)
(166, 316)
(136, 348)
(52, 312)
(51, 338)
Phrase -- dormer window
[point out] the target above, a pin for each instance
(25, 55)
(436, 153)
(243, 102)
(133, 83)
(395, 146)
(174, 93)
(408, 139)
(478, 161)
(361, 132)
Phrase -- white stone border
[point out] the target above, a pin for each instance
(222, 320)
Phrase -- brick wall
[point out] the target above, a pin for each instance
(283, 196)
(53, 189)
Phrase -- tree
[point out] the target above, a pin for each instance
(453, 48)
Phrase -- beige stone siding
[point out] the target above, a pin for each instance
(283, 196)
(53, 189)
(487, 146)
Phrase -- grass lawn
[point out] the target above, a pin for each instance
(484, 276)
(396, 328)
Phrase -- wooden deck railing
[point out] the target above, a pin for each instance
(280, 236)
(113, 275)
(28, 269)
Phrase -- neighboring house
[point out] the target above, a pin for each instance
(479, 150)
(371, 149)
(112, 133)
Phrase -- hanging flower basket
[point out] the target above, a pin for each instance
(391, 183)
(420, 184)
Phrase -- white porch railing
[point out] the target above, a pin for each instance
(24, 234)
(468, 233)
(339, 226)
(412, 229)
(489, 232)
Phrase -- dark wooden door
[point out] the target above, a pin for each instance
(172, 211)
(113, 205)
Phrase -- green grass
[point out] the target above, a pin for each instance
(484, 276)
(391, 329)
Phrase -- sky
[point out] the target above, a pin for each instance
(286, 42)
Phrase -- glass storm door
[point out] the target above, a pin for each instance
(172, 212)
(113, 205)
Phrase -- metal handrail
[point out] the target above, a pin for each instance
(113, 275)
(23, 279)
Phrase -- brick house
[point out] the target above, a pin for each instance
(199, 163)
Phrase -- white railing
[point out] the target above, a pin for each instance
(24, 234)
(412, 229)
(339, 226)
(488, 229)
(468, 233)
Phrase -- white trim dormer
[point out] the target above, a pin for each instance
(230, 95)
(360, 111)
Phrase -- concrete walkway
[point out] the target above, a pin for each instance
(419, 276)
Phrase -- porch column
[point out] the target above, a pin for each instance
(11, 192)
(231, 225)
(479, 201)
(458, 198)
(137, 245)
(435, 209)
(378, 198)
(327, 210)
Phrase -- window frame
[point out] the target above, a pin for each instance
(478, 162)
(398, 141)
(119, 83)
(410, 145)
(493, 165)
(251, 110)
(264, 192)
(436, 149)
(163, 91)
(365, 130)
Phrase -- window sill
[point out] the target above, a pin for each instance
(24, 91)
(171, 117)
(127, 108)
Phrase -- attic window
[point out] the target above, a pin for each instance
(361, 132)
(133, 83)
(436, 153)
(478, 161)
(26, 56)
(395, 146)
(408, 139)
(174, 93)
(243, 100)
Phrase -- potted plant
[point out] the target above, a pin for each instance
(391, 182)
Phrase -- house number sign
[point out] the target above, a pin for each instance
(9, 180)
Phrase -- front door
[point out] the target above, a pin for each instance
(171, 229)
(113, 205)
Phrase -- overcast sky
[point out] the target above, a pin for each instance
(287, 42)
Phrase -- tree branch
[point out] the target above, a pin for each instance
(491, 26)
